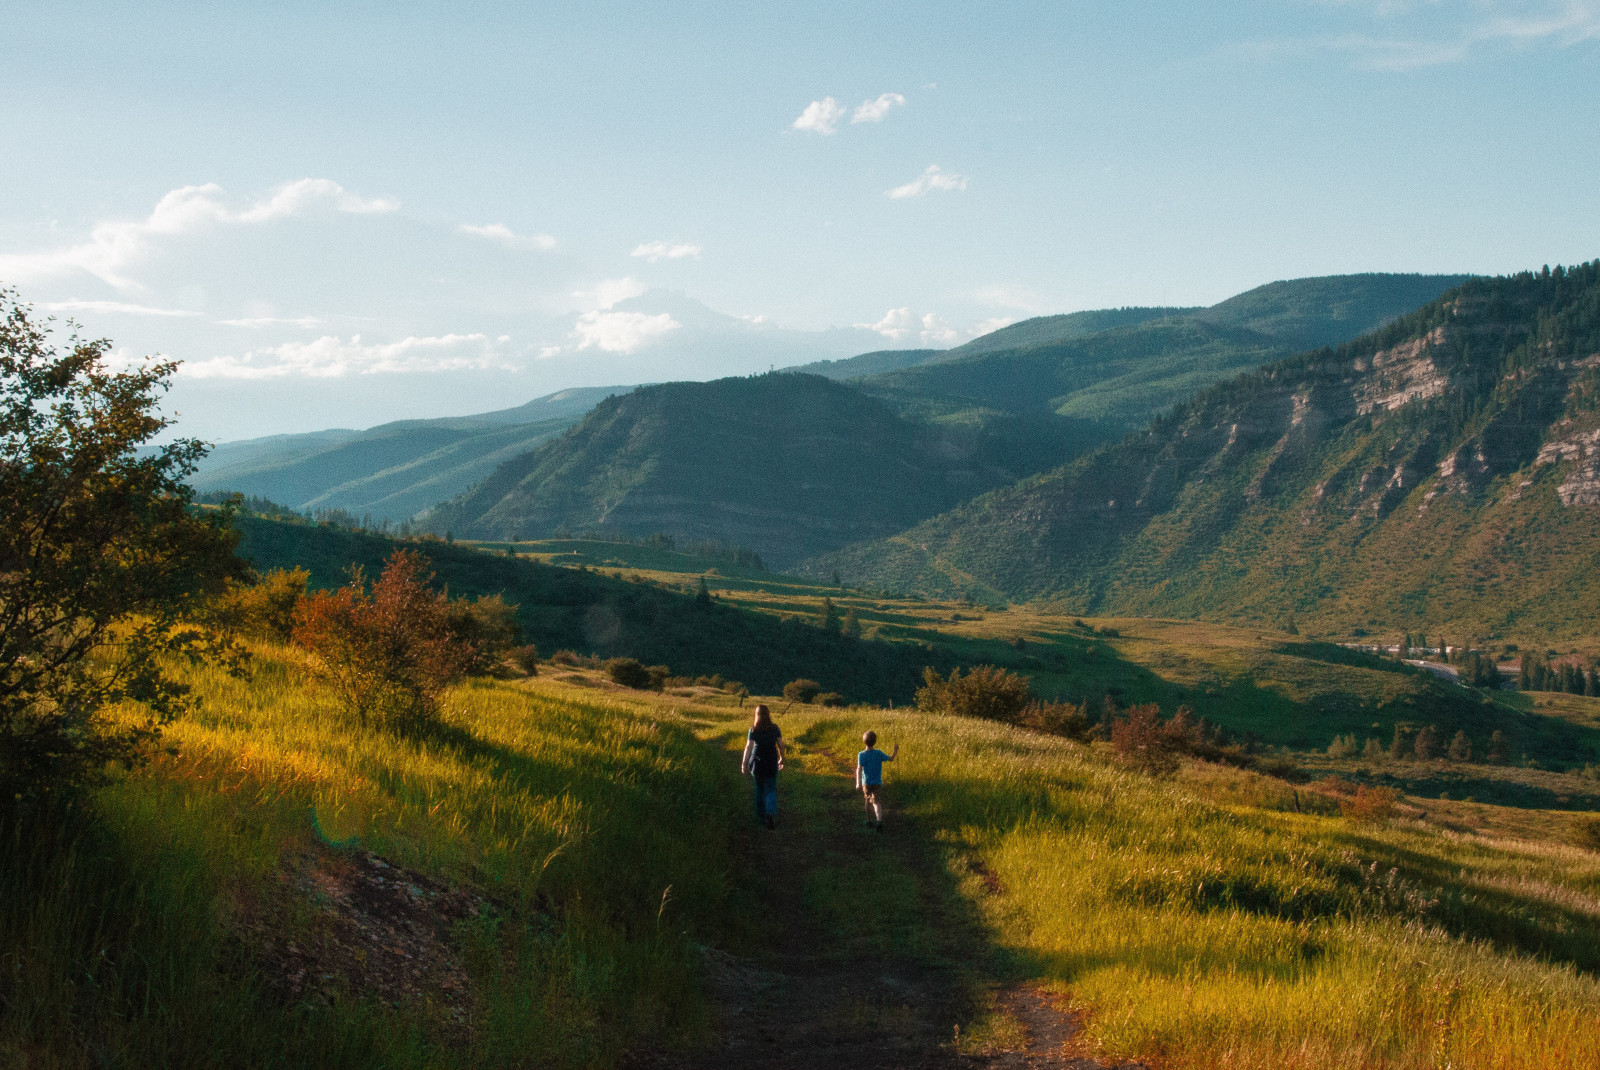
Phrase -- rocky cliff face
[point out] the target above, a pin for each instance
(1415, 471)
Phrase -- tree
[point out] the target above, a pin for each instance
(801, 690)
(1140, 739)
(488, 626)
(390, 654)
(105, 565)
(1373, 750)
(702, 594)
(828, 616)
(1400, 744)
(1460, 747)
(1497, 746)
(1427, 744)
(852, 624)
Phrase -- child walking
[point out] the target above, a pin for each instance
(869, 777)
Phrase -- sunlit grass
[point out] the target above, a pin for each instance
(604, 835)
(1210, 934)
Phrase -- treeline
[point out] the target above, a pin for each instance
(605, 616)
(1537, 674)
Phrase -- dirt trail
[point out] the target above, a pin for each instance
(836, 983)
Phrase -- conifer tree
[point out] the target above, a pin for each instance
(1461, 747)
(828, 616)
(852, 626)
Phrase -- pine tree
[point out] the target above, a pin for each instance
(1373, 751)
(702, 594)
(852, 626)
(1497, 746)
(828, 616)
(1398, 746)
(1427, 744)
(1461, 747)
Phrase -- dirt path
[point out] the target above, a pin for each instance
(870, 958)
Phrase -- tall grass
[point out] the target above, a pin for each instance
(1211, 935)
(602, 836)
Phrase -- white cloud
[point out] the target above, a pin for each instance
(821, 116)
(331, 357)
(608, 292)
(1523, 24)
(272, 321)
(499, 232)
(621, 332)
(931, 179)
(873, 111)
(112, 247)
(900, 324)
(112, 307)
(660, 250)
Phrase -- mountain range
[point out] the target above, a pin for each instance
(796, 464)
(1442, 471)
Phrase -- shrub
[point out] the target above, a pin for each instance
(1058, 718)
(526, 658)
(264, 609)
(628, 672)
(388, 655)
(801, 690)
(1371, 805)
(830, 699)
(987, 691)
(659, 674)
(1141, 740)
(564, 657)
(488, 626)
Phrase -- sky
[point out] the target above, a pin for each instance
(337, 214)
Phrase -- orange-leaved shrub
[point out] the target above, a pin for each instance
(389, 654)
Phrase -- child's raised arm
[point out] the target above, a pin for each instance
(896, 753)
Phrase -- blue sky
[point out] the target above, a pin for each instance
(338, 214)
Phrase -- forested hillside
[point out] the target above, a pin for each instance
(1440, 472)
(395, 470)
(788, 465)
(1125, 366)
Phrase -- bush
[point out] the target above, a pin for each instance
(388, 655)
(659, 675)
(987, 691)
(265, 608)
(831, 699)
(564, 657)
(488, 625)
(629, 673)
(1371, 805)
(801, 690)
(1142, 741)
(526, 658)
(1058, 719)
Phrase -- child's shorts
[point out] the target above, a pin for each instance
(872, 790)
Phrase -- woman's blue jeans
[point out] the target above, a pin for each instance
(766, 796)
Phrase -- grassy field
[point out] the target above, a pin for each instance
(575, 845)
(1200, 923)
(175, 923)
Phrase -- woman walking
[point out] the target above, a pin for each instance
(763, 757)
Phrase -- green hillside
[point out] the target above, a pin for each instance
(1438, 473)
(787, 465)
(1126, 366)
(395, 470)
(609, 616)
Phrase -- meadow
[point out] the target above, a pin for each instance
(579, 846)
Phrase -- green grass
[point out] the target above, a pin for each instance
(602, 835)
(1197, 922)
(1205, 933)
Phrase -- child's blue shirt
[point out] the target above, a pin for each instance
(870, 762)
